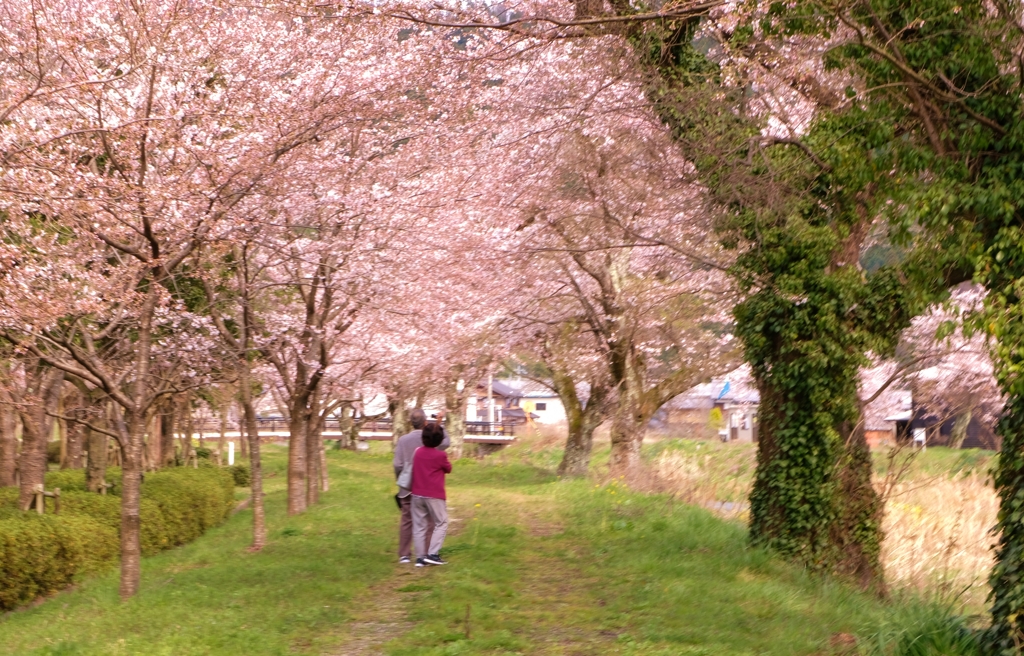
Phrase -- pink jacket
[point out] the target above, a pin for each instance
(429, 466)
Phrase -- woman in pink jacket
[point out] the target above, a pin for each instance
(429, 466)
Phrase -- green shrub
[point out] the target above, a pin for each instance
(192, 500)
(66, 480)
(153, 531)
(241, 474)
(53, 452)
(40, 554)
(203, 453)
(74, 479)
(9, 498)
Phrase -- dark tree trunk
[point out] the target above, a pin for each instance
(37, 405)
(856, 533)
(313, 453)
(167, 435)
(8, 446)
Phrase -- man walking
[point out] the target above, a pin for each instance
(405, 447)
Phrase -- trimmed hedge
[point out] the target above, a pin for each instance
(40, 554)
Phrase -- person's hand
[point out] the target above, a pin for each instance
(440, 415)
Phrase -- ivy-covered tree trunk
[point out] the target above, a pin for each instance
(812, 498)
(857, 531)
(1005, 637)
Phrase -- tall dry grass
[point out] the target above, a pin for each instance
(938, 537)
(937, 526)
(719, 480)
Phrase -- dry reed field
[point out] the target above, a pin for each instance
(938, 537)
(937, 518)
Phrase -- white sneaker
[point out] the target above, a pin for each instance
(404, 560)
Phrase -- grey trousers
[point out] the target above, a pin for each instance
(405, 529)
(423, 510)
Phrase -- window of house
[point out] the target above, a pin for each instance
(542, 406)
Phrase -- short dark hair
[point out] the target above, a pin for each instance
(417, 418)
(433, 434)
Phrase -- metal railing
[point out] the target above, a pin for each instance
(281, 425)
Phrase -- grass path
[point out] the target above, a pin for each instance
(537, 566)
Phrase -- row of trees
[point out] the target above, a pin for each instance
(366, 208)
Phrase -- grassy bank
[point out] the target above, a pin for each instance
(538, 566)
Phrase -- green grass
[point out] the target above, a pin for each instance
(537, 565)
(938, 461)
(213, 597)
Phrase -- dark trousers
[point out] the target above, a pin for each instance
(405, 529)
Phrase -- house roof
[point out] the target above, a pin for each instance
(520, 388)
(737, 386)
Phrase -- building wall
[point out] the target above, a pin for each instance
(553, 411)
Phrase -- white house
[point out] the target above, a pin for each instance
(517, 398)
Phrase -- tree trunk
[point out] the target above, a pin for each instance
(36, 428)
(576, 459)
(297, 468)
(581, 422)
(187, 450)
(76, 434)
(959, 432)
(325, 480)
(313, 454)
(8, 446)
(455, 401)
(244, 446)
(132, 440)
(345, 426)
(259, 524)
(96, 467)
(857, 532)
(626, 438)
(222, 440)
(167, 435)
(131, 496)
(60, 426)
(629, 423)
(1006, 633)
(399, 419)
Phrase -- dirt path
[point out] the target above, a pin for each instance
(382, 613)
(550, 587)
(382, 616)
